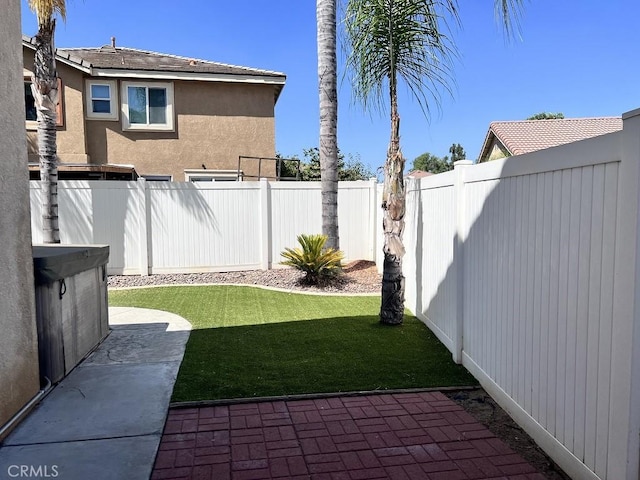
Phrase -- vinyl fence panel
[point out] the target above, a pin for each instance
(171, 227)
(532, 291)
(91, 212)
(204, 227)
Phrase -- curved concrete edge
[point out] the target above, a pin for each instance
(264, 287)
(121, 316)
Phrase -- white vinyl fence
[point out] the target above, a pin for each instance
(167, 227)
(527, 270)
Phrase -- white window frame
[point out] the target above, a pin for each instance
(147, 127)
(113, 100)
(196, 175)
(157, 177)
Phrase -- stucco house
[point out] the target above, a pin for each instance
(505, 139)
(125, 112)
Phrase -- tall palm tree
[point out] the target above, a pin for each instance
(406, 39)
(327, 88)
(44, 84)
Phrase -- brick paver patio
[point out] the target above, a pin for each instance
(395, 436)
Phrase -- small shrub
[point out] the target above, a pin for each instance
(318, 263)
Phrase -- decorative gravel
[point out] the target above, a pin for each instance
(360, 276)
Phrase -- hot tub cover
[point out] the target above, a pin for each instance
(55, 262)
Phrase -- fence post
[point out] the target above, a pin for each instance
(373, 217)
(144, 226)
(624, 429)
(412, 240)
(265, 224)
(458, 255)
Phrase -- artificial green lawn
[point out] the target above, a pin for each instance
(276, 343)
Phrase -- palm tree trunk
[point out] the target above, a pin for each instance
(327, 86)
(393, 205)
(45, 92)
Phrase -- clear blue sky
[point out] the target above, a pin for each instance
(575, 56)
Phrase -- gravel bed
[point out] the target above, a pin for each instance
(358, 277)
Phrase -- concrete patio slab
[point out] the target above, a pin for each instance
(140, 345)
(101, 401)
(131, 317)
(109, 459)
(105, 419)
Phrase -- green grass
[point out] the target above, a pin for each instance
(250, 342)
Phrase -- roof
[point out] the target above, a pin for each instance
(525, 136)
(418, 174)
(110, 61)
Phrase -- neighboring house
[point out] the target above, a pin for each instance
(505, 139)
(164, 116)
(418, 174)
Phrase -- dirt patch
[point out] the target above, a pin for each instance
(482, 407)
(360, 276)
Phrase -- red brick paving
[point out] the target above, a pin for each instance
(393, 436)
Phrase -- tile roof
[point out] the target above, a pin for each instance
(418, 174)
(526, 136)
(122, 58)
(109, 60)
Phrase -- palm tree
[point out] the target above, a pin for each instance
(44, 84)
(327, 87)
(406, 39)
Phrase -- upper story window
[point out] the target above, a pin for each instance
(147, 106)
(30, 106)
(101, 100)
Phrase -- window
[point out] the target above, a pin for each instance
(156, 178)
(213, 175)
(30, 103)
(147, 106)
(100, 99)
(30, 106)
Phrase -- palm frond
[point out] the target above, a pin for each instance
(508, 12)
(45, 9)
(386, 39)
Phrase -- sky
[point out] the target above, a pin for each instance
(578, 57)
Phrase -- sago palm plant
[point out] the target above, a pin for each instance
(317, 262)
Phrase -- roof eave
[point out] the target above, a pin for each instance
(486, 146)
(278, 92)
(206, 77)
(61, 57)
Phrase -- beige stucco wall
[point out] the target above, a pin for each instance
(71, 135)
(214, 124)
(19, 376)
(497, 151)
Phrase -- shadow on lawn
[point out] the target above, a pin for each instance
(314, 356)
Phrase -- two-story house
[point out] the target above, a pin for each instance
(125, 113)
